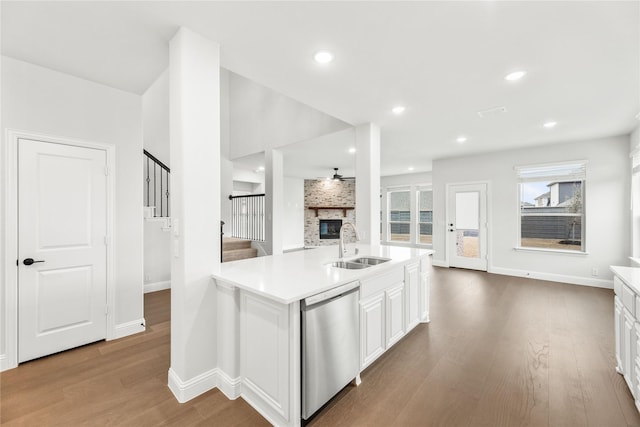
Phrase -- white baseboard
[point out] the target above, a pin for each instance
(575, 280)
(230, 387)
(187, 390)
(439, 263)
(129, 328)
(5, 363)
(157, 286)
(264, 404)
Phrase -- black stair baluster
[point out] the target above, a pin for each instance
(168, 211)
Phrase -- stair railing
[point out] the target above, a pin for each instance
(247, 217)
(156, 185)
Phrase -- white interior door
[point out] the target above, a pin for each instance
(467, 226)
(62, 227)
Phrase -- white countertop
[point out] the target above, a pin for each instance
(293, 276)
(629, 275)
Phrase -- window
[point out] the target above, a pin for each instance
(551, 206)
(399, 216)
(407, 217)
(425, 216)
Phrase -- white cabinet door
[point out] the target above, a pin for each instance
(619, 327)
(372, 329)
(636, 363)
(425, 289)
(395, 314)
(412, 295)
(629, 344)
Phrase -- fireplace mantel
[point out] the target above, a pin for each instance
(344, 209)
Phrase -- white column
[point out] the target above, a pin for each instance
(274, 201)
(368, 182)
(195, 193)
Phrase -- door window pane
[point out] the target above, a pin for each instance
(467, 243)
(467, 210)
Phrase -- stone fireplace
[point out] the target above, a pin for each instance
(331, 201)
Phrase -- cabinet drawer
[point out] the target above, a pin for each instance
(629, 299)
(376, 284)
(617, 285)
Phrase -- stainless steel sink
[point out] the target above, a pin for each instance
(359, 263)
(370, 260)
(349, 265)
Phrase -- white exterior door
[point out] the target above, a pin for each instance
(62, 228)
(467, 226)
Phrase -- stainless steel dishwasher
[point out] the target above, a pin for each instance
(330, 345)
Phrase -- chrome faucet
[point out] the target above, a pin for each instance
(341, 248)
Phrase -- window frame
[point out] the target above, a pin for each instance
(388, 216)
(414, 224)
(418, 190)
(579, 173)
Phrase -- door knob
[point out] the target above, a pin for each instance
(29, 261)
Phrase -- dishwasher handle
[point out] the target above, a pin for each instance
(328, 295)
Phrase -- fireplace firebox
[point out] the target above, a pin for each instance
(330, 228)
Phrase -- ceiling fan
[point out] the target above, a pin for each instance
(337, 177)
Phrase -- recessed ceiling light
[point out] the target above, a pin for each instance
(323, 57)
(516, 75)
(352, 150)
(410, 168)
(550, 124)
(461, 139)
(261, 168)
(492, 112)
(398, 110)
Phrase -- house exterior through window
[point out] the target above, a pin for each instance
(407, 217)
(551, 206)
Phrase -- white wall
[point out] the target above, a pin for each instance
(155, 128)
(260, 118)
(634, 142)
(406, 179)
(293, 221)
(157, 256)
(40, 100)
(606, 204)
(226, 166)
(155, 118)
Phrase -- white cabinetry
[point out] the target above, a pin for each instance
(627, 334)
(425, 288)
(392, 304)
(381, 313)
(395, 320)
(412, 294)
(269, 357)
(372, 330)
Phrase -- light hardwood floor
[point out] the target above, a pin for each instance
(499, 351)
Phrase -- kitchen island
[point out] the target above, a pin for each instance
(259, 331)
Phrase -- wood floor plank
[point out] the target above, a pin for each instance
(499, 351)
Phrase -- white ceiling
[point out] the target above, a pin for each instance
(443, 60)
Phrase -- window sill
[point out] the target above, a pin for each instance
(407, 244)
(550, 251)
